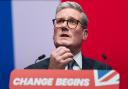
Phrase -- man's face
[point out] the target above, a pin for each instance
(65, 35)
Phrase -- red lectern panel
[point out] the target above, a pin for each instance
(64, 79)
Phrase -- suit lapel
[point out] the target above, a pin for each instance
(87, 63)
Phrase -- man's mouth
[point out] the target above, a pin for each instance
(64, 35)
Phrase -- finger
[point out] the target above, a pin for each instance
(67, 55)
(62, 48)
(62, 51)
(66, 61)
(58, 51)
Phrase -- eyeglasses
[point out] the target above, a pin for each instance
(71, 23)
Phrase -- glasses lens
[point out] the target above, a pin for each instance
(58, 22)
(72, 23)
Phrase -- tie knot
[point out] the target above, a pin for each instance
(70, 65)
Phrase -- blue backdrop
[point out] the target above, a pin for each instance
(6, 43)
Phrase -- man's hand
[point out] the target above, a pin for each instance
(60, 57)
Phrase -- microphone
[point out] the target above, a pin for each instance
(105, 58)
(40, 57)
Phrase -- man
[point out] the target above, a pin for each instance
(70, 29)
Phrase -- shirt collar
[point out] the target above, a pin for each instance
(78, 59)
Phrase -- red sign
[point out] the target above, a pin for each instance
(62, 79)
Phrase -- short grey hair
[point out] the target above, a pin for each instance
(76, 6)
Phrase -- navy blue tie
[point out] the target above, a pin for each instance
(71, 64)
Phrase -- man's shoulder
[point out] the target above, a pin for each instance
(39, 65)
(89, 63)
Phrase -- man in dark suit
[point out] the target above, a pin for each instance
(70, 29)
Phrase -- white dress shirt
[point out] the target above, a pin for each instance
(78, 63)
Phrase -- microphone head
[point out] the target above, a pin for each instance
(104, 56)
(41, 57)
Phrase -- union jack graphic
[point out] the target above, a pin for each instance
(106, 77)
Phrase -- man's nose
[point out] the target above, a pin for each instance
(64, 29)
(64, 24)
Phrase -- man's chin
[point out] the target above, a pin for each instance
(63, 44)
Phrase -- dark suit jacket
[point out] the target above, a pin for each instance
(87, 63)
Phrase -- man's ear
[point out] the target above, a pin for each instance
(85, 34)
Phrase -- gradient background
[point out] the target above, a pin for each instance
(26, 32)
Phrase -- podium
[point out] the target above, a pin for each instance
(64, 79)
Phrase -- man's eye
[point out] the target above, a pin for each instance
(59, 21)
(73, 21)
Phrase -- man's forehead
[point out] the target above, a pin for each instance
(68, 13)
(66, 18)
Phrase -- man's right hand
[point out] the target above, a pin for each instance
(60, 57)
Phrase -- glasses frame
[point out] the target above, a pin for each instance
(67, 21)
